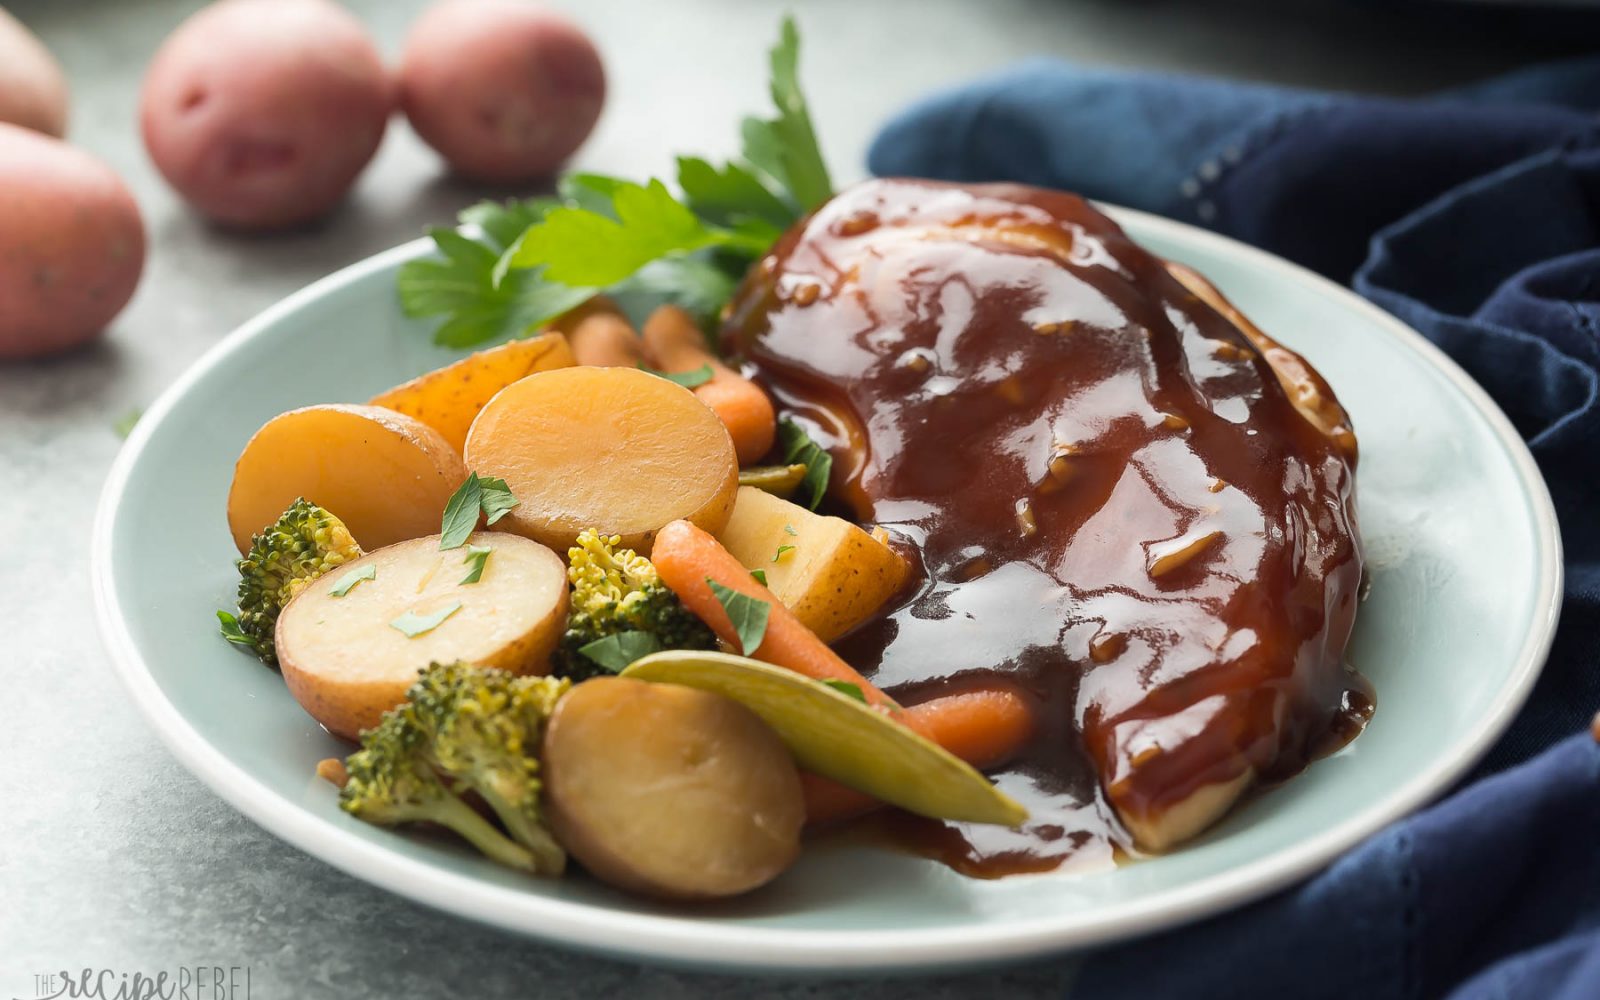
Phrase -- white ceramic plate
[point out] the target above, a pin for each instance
(1465, 570)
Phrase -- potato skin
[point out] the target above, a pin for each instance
(505, 91)
(261, 113)
(614, 449)
(833, 575)
(670, 791)
(346, 666)
(33, 90)
(448, 399)
(72, 245)
(387, 476)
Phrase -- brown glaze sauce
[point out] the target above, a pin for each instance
(1114, 501)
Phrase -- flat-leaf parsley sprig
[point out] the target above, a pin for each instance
(523, 263)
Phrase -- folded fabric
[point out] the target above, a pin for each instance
(1307, 175)
(1494, 892)
(1504, 274)
(1475, 217)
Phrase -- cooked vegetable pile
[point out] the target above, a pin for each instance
(455, 573)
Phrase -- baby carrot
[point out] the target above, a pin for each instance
(827, 801)
(686, 557)
(676, 344)
(983, 727)
(601, 336)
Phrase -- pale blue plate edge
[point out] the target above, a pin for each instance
(685, 941)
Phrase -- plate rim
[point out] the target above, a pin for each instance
(685, 941)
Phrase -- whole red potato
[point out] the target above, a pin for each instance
(71, 245)
(33, 92)
(505, 91)
(261, 113)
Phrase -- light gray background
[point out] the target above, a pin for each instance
(111, 855)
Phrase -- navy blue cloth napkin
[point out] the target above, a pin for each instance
(1473, 215)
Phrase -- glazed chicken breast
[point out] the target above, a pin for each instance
(1122, 495)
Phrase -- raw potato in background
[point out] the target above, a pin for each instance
(504, 90)
(33, 90)
(72, 245)
(261, 113)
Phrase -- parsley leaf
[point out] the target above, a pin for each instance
(759, 575)
(503, 222)
(785, 148)
(748, 615)
(798, 448)
(462, 288)
(781, 550)
(232, 632)
(731, 194)
(461, 513)
(413, 624)
(699, 285)
(618, 651)
(591, 192)
(539, 258)
(349, 580)
(477, 557)
(579, 247)
(847, 688)
(494, 496)
(689, 380)
(487, 495)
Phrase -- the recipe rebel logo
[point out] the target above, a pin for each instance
(187, 982)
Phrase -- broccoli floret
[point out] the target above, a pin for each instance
(483, 730)
(463, 729)
(615, 591)
(305, 543)
(390, 782)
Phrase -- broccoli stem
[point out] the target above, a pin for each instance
(463, 819)
(547, 855)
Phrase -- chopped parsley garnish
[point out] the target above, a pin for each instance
(617, 651)
(748, 615)
(847, 688)
(689, 380)
(799, 449)
(355, 576)
(487, 495)
(413, 624)
(477, 557)
(232, 632)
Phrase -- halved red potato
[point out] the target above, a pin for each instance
(387, 476)
(349, 645)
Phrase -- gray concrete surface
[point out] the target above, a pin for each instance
(111, 855)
